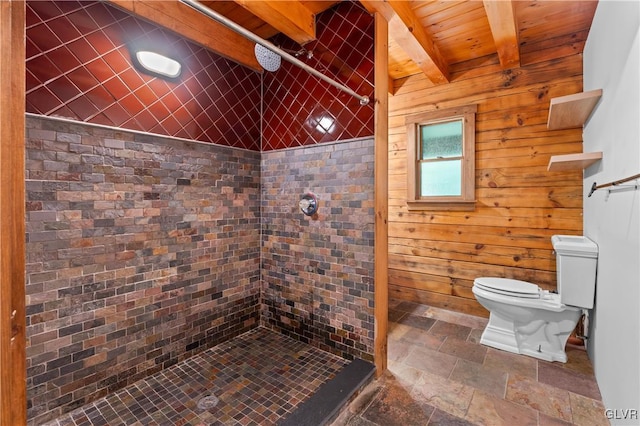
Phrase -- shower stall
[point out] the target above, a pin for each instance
(165, 245)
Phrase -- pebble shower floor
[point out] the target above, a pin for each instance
(256, 378)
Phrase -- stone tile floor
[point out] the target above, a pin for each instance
(439, 374)
(257, 378)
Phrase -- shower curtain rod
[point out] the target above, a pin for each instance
(364, 100)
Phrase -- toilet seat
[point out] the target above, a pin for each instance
(508, 287)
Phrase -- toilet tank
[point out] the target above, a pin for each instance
(576, 260)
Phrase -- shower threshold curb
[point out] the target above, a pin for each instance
(331, 396)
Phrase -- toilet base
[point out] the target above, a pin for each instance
(499, 338)
(540, 339)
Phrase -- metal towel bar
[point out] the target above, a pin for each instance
(613, 183)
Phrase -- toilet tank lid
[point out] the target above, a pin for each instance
(508, 285)
(574, 245)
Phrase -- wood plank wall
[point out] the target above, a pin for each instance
(435, 256)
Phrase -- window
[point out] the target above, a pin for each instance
(441, 159)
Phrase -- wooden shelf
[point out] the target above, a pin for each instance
(560, 163)
(572, 111)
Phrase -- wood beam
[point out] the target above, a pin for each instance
(13, 395)
(381, 196)
(291, 18)
(195, 26)
(405, 28)
(505, 31)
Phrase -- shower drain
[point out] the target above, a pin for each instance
(208, 402)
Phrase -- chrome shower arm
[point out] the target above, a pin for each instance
(364, 100)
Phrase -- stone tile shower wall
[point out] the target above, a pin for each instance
(317, 271)
(141, 251)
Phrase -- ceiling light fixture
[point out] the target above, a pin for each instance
(157, 64)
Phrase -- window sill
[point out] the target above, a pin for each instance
(454, 206)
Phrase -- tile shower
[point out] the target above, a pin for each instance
(144, 249)
(150, 255)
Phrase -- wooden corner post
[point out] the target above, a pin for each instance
(381, 136)
(13, 398)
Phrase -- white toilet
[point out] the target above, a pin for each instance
(525, 319)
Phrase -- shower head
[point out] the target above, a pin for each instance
(271, 61)
(268, 59)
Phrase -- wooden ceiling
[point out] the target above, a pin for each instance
(425, 36)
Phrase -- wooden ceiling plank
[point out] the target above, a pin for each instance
(244, 18)
(317, 6)
(407, 31)
(195, 26)
(419, 44)
(291, 18)
(505, 32)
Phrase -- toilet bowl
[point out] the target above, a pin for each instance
(531, 322)
(525, 319)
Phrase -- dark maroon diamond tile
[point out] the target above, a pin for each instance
(31, 18)
(158, 110)
(145, 120)
(83, 79)
(103, 15)
(45, 10)
(82, 108)
(213, 113)
(131, 27)
(100, 42)
(182, 94)
(116, 114)
(116, 87)
(133, 81)
(132, 124)
(113, 33)
(183, 133)
(63, 58)
(31, 49)
(171, 102)
(171, 125)
(159, 87)
(63, 29)
(145, 95)
(82, 50)
(158, 129)
(101, 119)
(42, 69)
(100, 70)
(63, 89)
(100, 97)
(82, 21)
(183, 116)
(213, 134)
(43, 37)
(118, 61)
(68, 6)
(131, 103)
(43, 100)
(31, 108)
(31, 82)
(65, 112)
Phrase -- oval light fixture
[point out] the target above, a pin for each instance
(158, 64)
